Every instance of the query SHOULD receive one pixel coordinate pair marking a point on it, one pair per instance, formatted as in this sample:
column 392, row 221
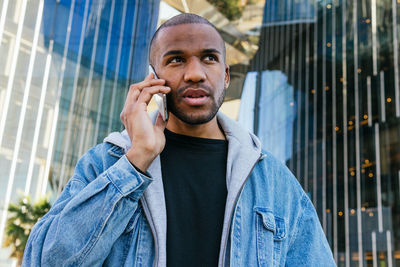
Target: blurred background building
column 316, row 80
column 64, row 72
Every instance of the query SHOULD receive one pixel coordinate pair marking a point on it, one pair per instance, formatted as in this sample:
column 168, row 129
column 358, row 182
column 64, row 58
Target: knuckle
column 133, row 87
column 144, row 93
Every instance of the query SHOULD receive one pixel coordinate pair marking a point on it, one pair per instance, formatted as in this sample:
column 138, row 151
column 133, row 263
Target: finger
column 131, row 93
column 149, row 81
column 147, row 93
column 146, row 83
column 135, row 89
column 131, row 98
column 135, row 95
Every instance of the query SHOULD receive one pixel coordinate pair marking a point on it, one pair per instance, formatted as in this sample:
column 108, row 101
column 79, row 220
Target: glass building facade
column 65, row 69
column 338, row 61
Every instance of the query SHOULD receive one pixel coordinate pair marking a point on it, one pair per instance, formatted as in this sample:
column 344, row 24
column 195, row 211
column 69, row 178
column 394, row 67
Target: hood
column 231, row 128
column 244, row 151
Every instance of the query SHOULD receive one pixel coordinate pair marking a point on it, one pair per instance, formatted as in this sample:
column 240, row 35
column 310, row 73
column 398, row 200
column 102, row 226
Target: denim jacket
column 109, row 214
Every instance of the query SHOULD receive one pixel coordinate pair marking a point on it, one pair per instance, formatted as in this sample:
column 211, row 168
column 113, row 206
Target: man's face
column 190, row 57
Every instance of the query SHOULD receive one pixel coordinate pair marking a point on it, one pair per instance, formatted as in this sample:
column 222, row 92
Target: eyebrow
column 173, row 52
column 180, row 52
column 211, row 50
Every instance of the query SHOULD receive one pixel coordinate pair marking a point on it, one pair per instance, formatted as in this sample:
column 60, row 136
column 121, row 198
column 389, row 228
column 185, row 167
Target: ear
column 227, row 78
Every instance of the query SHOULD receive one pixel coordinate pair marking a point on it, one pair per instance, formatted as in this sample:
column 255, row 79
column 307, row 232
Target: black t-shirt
column 194, row 178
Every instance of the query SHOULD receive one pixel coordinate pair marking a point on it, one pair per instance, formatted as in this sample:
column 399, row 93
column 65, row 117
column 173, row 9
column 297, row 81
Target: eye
column 210, row 57
column 175, row 60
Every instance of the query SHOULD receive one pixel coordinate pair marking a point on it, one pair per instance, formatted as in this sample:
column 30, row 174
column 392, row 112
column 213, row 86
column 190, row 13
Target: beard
column 196, row 117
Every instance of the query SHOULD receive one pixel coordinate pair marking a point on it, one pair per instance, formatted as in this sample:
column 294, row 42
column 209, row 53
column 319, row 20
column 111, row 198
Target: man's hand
column 148, row 140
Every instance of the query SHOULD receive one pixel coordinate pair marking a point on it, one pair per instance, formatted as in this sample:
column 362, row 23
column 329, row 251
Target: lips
column 195, row 97
column 195, row 93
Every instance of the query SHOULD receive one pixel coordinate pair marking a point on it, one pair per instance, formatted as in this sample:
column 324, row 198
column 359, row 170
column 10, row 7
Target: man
column 193, row 191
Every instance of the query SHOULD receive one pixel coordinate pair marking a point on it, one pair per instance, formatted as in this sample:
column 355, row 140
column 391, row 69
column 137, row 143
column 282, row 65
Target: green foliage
column 230, row 8
column 23, row 216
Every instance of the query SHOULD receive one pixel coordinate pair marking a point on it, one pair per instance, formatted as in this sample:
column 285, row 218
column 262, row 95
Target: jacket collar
column 233, row 132
column 244, row 151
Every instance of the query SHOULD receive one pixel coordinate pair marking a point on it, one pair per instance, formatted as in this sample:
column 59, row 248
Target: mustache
column 194, row 86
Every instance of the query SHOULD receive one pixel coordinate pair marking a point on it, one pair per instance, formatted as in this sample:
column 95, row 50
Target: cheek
column 171, row 80
column 171, row 84
column 220, row 82
column 222, row 77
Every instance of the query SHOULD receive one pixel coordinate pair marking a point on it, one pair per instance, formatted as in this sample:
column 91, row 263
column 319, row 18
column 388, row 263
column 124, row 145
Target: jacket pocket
column 271, row 231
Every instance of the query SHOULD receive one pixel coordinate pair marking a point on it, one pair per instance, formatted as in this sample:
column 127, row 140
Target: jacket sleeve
column 91, row 213
column 309, row 246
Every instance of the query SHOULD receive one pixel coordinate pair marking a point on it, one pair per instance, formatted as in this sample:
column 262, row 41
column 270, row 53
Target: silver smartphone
column 161, row 99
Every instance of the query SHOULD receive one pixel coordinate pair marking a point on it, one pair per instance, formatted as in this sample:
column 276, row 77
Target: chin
column 194, row 115
column 194, row 118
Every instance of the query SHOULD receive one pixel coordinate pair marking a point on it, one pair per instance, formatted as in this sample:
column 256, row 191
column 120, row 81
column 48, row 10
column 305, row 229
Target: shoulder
column 96, row 160
column 278, row 174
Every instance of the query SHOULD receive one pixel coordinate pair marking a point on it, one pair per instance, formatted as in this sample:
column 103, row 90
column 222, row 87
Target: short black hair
column 184, row 18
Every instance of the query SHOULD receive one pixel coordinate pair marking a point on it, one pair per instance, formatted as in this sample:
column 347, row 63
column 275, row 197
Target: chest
column 257, row 238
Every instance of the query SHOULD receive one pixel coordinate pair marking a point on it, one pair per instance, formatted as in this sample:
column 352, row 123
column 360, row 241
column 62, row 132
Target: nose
column 194, row 71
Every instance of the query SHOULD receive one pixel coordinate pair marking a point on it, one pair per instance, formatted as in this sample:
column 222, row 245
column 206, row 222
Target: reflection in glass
column 65, row 70
column 341, row 59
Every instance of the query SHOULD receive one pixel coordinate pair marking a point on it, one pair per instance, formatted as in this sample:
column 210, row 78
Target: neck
column 209, row 130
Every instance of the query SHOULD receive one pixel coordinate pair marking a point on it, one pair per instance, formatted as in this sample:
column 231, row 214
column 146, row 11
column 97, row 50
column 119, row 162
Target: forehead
column 187, row 37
